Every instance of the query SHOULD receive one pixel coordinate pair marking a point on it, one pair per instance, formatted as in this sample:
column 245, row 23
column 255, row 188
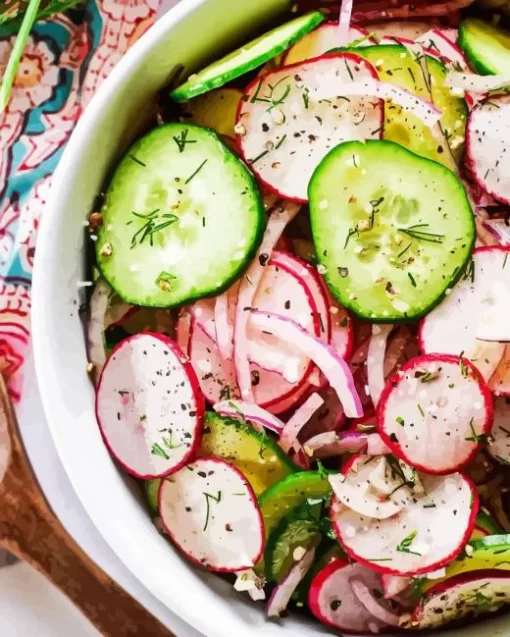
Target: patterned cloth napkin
column 64, row 63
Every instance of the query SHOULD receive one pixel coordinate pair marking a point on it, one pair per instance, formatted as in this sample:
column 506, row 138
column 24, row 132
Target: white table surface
column 30, row 606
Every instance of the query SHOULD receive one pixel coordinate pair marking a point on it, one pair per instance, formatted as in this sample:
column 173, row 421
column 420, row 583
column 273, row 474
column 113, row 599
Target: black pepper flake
column 255, row 377
column 343, row 272
column 202, row 474
column 228, row 528
column 287, row 305
column 265, row 127
column 263, row 258
column 393, row 438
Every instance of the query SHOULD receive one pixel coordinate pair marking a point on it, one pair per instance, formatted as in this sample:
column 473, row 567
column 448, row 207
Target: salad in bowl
column 297, row 327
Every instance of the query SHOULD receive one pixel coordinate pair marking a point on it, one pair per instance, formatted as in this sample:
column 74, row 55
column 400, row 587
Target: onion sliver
column 257, row 416
column 424, row 110
column 375, row 360
column 334, row 368
column 302, row 415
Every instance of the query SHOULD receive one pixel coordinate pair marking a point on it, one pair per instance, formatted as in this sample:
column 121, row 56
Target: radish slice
column 272, row 120
column 344, row 22
column 334, row 603
column 259, row 417
column 282, row 593
column 322, row 40
column 224, row 333
column 424, row 417
column 499, row 440
column 250, row 283
column 466, row 595
column 212, row 515
column 429, row 530
column 375, row 360
column 150, row 430
column 476, row 83
column 370, row 491
column 424, row 110
column 437, row 41
column 493, row 324
column 488, row 139
column 394, row 585
column 202, row 312
column 215, row 374
column 96, row 345
column 302, row 415
column 318, row 294
column 375, row 608
column 452, row 326
column 333, row 367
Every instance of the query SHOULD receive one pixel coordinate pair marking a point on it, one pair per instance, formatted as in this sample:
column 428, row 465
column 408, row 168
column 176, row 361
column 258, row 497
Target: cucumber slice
column 490, row 552
column 291, row 535
column 151, row 488
column 177, row 195
column 289, row 493
column 487, row 48
column 249, row 57
column 392, row 230
column 255, row 454
column 396, row 65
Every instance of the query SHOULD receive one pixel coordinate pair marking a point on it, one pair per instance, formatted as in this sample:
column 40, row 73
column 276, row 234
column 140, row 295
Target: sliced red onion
column 334, row 368
column 344, row 22
column 277, row 223
column 283, row 592
column 500, row 229
column 373, row 606
column 202, row 312
column 257, row 416
column 301, row 416
column 375, row 360
column 424, row 110
column 476, row 83
column 224, row 332
column 330, row 444
column 99, row 302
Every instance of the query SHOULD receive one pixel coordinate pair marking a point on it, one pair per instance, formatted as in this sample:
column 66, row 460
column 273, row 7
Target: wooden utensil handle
column 46, row 545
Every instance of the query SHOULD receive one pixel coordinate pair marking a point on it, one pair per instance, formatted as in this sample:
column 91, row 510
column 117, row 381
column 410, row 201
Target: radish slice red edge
column 456, row 598
column 212, row 515
column 425, row 417
column 278, row 220
column 334, row 603
column 290, row 432
column 451, row 327
column 260, row 418
column 282, row 593
column 333, row 367
column 430, row 526
column 149, row 406
column 487, row 142
column 273, row 144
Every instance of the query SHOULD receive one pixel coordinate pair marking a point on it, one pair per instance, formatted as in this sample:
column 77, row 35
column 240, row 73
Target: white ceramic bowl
column 188, row 34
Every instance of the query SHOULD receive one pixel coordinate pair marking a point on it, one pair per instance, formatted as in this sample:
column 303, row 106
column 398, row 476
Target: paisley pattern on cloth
column 65, row 61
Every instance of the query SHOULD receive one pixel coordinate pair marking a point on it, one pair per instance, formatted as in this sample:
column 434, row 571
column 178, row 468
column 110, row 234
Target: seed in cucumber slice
column 281, row 547
column 249, row 57
column 392, row 230
column 397, row 65
column 176, row 196
column 487, row 47
column 151, row 488
column 255, row 454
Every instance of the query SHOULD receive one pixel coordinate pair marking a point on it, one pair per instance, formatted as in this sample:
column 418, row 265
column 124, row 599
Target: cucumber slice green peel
column 183, row 217
column 257, row 456
column 487, row 48
column 246, row 58
column 392, row 230
column 288, row 494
